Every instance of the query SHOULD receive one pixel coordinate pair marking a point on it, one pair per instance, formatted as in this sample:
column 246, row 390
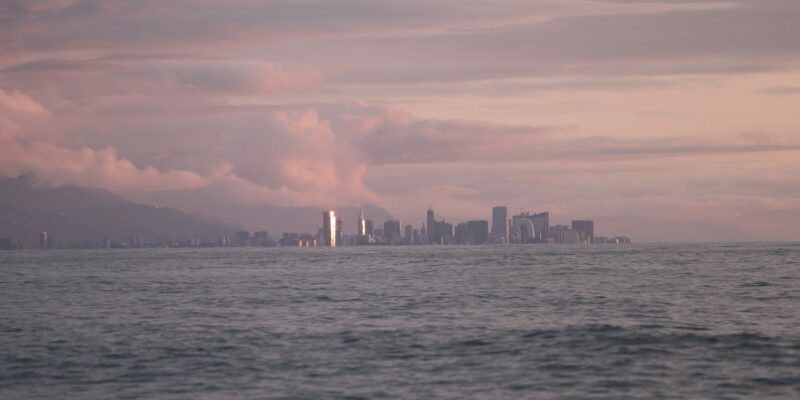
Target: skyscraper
column 329, row 228
column 43, row 241
column 558, row 233
column 339, row 232
column 585, row 229
column 369, row 227
column 242, row 238
column 500, row 225
column 391, row 231
column 361, row 229
column 461, row 233
column 431, row 224
column 477, row 232
column 541, row 224
column 361, row 225
column 444, row 232
column 531, row 228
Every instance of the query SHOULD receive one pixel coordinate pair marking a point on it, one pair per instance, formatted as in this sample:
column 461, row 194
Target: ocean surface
column 540, row 322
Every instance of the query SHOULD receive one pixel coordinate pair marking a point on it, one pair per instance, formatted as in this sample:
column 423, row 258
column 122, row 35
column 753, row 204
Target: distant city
column 523, row 228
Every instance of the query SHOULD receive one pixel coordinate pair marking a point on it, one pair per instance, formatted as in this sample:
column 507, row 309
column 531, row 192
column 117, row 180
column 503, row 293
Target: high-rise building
column 289, row 239
column 541, row 223
column 339, row 232
column 571, row 236
column 438, row 232
column 361, row 226
column 585, row 229
column 477, row 232
column 369, row 227
column 408, row 234
column 558, row 233
column 242, row 238
column 44, row 242
column 262, row 238
column 461, row 233
column 500, row 225
column 361, row 237
column 431, row 224
column 529, row 228
column 329, row 228
column 444, row 232
column 391, row 231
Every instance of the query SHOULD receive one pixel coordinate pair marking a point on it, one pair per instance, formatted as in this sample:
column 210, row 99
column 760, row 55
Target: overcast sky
column 622, row 110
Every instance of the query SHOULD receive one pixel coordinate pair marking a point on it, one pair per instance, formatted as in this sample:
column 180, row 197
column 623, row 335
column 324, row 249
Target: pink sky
column 680, row 114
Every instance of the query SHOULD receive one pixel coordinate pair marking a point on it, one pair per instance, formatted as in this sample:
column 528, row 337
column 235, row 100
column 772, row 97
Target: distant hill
column 21, row 194
column 73, row 214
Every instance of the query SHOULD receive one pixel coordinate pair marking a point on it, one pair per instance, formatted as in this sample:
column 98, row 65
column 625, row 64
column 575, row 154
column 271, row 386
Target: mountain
column 73, row 214
column 274, row 219
column 22, row 194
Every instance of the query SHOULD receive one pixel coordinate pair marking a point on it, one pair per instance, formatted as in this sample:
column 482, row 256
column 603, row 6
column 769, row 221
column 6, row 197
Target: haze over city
column 661, row 120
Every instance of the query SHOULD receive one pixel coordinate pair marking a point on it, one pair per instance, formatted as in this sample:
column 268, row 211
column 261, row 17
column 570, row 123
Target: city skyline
column 522, row 228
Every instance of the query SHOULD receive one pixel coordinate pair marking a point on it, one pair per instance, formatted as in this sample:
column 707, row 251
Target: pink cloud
column 22, row 151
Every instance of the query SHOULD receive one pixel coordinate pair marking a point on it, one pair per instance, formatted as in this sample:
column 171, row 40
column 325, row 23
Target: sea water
column 632, row 321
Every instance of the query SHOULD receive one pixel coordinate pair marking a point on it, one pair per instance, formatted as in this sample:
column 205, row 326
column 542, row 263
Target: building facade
column 477, row 232
column 499, row 225
column 329, row 228
column 585, row 229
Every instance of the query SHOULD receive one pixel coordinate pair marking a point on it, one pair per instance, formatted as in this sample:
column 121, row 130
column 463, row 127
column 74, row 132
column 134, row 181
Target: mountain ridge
column 71, row 215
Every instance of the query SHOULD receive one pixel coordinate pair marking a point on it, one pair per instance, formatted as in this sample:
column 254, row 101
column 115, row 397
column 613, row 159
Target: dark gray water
column 639, row 321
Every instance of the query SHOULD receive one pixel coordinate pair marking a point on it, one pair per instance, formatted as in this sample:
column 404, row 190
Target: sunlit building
column 361, row 229
column 329, row 229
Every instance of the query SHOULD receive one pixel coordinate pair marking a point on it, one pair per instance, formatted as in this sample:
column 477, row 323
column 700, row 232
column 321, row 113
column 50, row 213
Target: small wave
column 473, row 343
column 755, row 284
